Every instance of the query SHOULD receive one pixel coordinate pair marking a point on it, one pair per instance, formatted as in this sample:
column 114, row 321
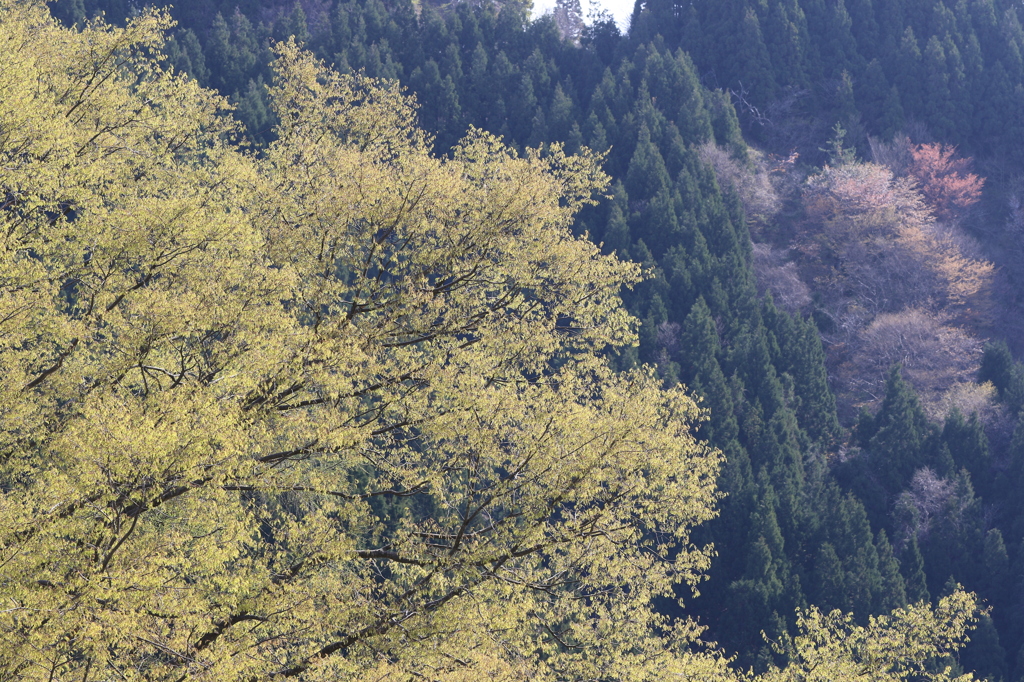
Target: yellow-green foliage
column 891, row 648
column 333, row 412
column 221, row 372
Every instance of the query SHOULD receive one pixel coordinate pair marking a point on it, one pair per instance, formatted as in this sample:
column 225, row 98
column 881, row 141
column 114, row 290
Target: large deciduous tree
column 334, row 411
column 946, row 180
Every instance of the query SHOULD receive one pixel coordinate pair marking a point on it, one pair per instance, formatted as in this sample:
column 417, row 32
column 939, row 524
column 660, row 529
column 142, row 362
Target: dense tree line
column 954, row 67
column 865, row 524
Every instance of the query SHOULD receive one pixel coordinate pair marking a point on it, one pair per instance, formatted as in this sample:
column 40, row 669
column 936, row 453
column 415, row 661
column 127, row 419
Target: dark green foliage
column 984, row 655
column 955, row 541
column 952, row 66
column 233, row 51
column 1015, row 389
column 253, row 109
column 865, row 428
column 830, row 580
column 968, row 445
column 996, row 366
column 900, row 430
column 945, row 493
column 802, row 357
column 893, row 592
column 185, row 54
column 292, row 24
column 69, row 12
column 1007, row 375
column 914, row 576
column 995, row 586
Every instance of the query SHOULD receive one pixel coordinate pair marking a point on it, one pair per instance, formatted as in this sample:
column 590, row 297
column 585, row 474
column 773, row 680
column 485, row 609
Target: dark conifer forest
column 827, row 198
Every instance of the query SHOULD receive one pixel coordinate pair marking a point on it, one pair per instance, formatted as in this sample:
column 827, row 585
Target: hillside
column 836, row 282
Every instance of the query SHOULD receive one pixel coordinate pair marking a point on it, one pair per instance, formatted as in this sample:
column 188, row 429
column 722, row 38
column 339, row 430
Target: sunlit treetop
column 332, row 411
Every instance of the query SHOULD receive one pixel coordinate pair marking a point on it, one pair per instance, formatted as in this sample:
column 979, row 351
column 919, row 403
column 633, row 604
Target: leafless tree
column 934, row 355
column 895, row 154
column 779, row 275
column 918, row 506
column 751, row 181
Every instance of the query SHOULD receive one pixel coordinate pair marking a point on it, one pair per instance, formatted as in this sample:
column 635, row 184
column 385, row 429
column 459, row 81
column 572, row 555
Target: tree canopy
column 335, row 408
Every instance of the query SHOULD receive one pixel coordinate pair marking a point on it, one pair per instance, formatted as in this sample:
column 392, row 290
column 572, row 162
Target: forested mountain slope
column 939, row 71
column 954, row 67
column 868, row 518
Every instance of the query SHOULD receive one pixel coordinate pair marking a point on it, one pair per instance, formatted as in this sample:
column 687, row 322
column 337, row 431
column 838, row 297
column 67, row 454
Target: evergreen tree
column 872, row 92
column 233, row 52
column 763, row 588
column 892, row 594
column 900, row 431
column 996, row 583
column 937, row 84
column 647, row 175
column 830, row 591
column 787, row 41
column 748, row 59
column 914, row 577
column 617, row 237
column 984, row 655
column 967, row 444
column 955, row 540
column 69, row 12
column 907, row 72
column 803, row 358
column 185, row 54
column 293, row 24
column 254, row 111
